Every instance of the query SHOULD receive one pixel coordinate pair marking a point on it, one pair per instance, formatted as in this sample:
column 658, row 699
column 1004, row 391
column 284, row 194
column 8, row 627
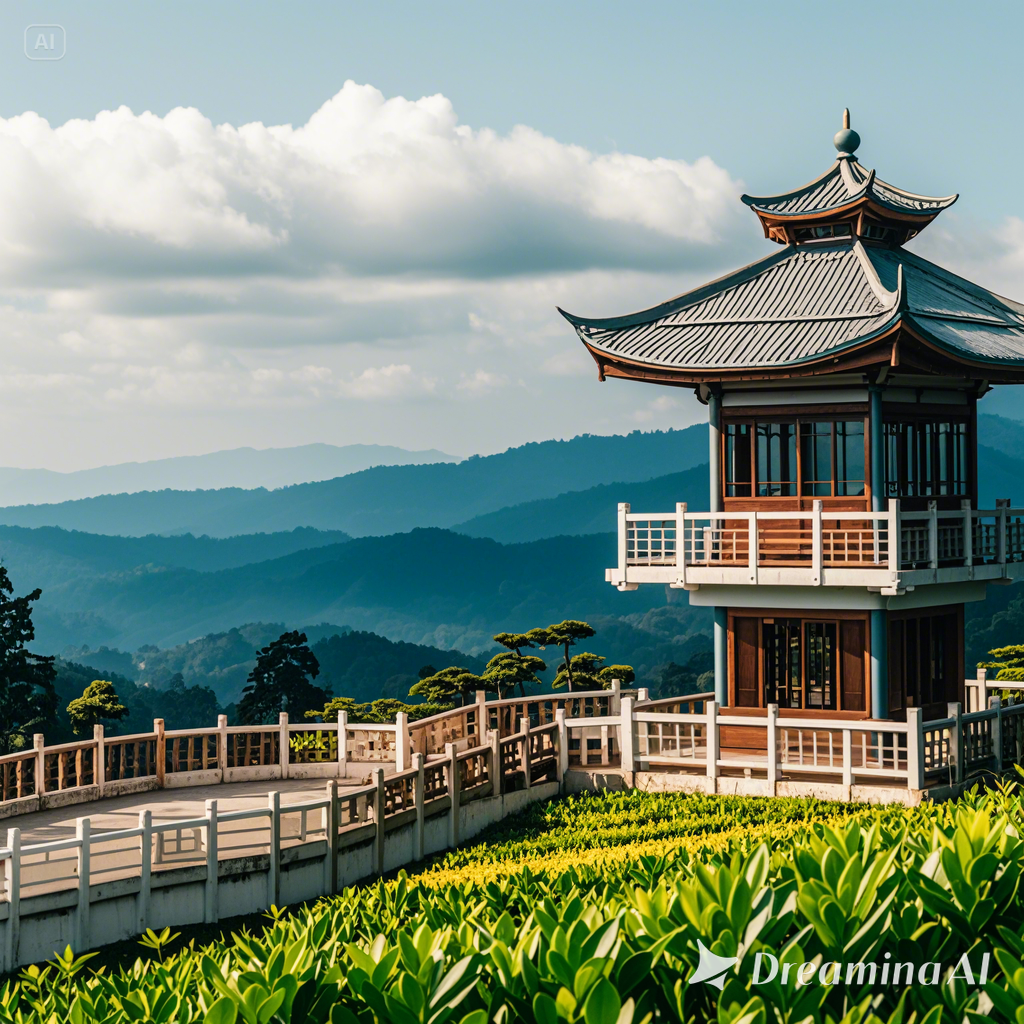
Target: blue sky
column 211, row 309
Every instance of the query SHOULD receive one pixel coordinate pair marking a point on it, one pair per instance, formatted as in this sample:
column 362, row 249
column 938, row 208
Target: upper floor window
column 926, row 458
column 877, row 231
column 822, row 231
column 790, row 458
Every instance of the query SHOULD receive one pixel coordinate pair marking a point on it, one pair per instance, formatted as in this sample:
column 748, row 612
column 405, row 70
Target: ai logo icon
column 711, row 967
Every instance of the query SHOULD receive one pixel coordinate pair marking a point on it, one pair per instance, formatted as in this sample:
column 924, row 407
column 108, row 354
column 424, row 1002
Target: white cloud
column 170, row 285
column 370, row 185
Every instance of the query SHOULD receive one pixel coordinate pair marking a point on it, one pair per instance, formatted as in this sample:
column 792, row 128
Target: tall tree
column 99, row 702
column 281, row 681
column 515, row 643
column 565, row 635
column 27, row 695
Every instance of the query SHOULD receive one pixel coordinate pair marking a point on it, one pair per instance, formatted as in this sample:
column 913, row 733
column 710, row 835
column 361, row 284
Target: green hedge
column 591, row 910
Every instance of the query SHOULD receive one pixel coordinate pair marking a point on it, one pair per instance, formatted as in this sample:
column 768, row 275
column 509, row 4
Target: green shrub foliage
column 590, row 911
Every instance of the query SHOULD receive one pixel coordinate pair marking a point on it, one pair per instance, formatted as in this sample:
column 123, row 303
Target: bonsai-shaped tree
column 450, row 683
column 378, row 712
column 565, row 635
column 99, row 701
column 588, row 673
column 1009, row 663
column 515, row 644
column 509, row 669
column 27, row 695
column 281, row 681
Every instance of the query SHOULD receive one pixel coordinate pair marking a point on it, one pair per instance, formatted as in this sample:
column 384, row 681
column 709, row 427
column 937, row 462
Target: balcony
column 890, row 552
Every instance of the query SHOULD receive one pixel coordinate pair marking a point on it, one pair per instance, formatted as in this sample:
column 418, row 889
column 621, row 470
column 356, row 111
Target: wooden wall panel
column 852, row 675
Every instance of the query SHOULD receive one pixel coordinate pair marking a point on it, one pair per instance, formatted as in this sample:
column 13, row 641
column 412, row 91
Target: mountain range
column 384, row 499
column 238, row 467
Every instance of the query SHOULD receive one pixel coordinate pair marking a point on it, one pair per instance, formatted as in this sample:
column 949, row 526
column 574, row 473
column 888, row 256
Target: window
column 737, row 460
column 924, row 663
column 822, row 231
column 877, row 231
column 800, row 659
column 760, row 459
column 926, row 458
column 776, row 460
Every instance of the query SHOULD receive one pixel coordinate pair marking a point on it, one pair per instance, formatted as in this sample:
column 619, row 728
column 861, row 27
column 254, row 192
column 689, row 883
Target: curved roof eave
column 893, row 318
column 782, row 197
column 956, row 353
column 683, row 300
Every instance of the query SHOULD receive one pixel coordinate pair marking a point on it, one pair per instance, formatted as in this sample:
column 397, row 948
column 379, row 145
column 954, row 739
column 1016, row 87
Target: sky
column 259, row 224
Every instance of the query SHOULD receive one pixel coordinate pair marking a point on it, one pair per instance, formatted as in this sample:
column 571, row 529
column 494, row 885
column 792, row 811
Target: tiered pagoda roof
column 841, row 294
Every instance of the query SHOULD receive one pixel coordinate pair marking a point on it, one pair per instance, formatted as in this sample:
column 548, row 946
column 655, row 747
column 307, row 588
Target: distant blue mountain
column 385, row 499
column 239, row 467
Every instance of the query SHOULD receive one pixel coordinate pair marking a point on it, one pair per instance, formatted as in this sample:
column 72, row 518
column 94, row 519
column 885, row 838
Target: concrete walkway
column 167, row 805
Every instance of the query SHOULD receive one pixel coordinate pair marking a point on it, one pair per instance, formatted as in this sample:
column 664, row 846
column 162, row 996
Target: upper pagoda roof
column 841, row 295
column 846, row 183
column 849, row 197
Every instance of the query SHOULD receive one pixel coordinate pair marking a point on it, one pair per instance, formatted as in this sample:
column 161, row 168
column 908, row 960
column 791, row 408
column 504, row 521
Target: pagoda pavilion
column 841, row 375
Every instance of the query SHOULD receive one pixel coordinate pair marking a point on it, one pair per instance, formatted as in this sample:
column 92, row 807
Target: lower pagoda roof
column 816, row 309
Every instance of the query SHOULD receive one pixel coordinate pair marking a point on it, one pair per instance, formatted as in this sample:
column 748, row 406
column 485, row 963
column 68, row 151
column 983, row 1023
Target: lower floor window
column 801, row 663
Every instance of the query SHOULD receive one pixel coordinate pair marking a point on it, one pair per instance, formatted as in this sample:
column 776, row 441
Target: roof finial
column 846, row 139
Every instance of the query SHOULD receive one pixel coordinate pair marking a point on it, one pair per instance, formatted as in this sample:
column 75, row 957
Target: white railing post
column 419, row 796
column 401, row 741
column 626, row 736
column 454, row 784
column 274, row 843
column 563, row 746
column 331, row 815
column 210, row 892
column 753, row 540
column 915, row 749
column 847, row 762
column 524, row 751
column 981, row 690
column 12, row 888
column 681, row 541
column 712, row 739
column 283, row 748
column 643, row 695
column 82, row 834
column 623, row 530
column 816, row 552
column 955, row 711
column 378, row 822
column 968, row 514
column 615, row 698
column 146, row 870
column 995, row 702
column 222, row 745
column 342, row 744
column 495, row 769
column 39, row 745
column 99, row 764
column 895, row 541
column 933, row 534
column 772, row 747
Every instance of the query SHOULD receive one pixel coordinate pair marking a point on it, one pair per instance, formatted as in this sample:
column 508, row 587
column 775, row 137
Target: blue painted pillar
column 876, row 443
column 879, row 617
column 879, row 663
column 715, row 451
column 721, row 657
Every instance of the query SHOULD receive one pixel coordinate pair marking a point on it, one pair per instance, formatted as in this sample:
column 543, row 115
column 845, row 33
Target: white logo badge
column 711, row 967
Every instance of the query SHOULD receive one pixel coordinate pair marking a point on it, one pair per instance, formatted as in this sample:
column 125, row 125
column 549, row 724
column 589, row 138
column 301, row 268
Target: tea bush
column 591, row 909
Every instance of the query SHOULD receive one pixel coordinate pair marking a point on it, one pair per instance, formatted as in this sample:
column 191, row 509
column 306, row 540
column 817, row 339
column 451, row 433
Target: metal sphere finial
column 846, row 139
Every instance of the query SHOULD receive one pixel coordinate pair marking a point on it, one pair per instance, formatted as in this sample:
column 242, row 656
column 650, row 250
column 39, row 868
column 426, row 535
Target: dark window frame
column 928, row 456
column 740, row 442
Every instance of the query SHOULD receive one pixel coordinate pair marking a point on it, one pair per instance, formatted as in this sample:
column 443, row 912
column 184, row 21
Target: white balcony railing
column 891, row 550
